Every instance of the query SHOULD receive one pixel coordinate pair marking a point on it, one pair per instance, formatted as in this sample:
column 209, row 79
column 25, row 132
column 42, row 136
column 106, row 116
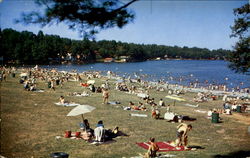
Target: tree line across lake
column 28, row 48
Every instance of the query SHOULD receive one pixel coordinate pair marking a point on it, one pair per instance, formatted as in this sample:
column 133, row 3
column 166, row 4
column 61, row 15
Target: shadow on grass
column 103, row 142
column 187, row 118
column 176, row 120
column 196, row 147
column 237, row 154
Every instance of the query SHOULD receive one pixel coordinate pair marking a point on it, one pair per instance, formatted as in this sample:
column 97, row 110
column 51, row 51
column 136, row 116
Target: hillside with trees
column 28, row 48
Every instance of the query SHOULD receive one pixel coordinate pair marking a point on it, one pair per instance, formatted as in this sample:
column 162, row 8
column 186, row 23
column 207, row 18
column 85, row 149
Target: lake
column 172, row 71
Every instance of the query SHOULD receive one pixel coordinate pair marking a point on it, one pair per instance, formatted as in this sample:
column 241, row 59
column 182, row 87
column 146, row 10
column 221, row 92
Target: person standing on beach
column 61, row 82
column 105, row 95
column 182, row 131
column 161, row 103
column 52, row 85
column 4, row 76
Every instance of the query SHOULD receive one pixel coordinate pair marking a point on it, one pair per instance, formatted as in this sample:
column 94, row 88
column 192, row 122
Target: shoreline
column 159, row 84
column 175, row 87
column 179, row 75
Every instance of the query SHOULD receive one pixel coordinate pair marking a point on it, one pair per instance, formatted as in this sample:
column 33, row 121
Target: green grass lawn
column 31, row 121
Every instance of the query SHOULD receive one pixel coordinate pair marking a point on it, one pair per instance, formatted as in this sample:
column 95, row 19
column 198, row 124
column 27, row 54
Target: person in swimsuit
column 153, row 148
column 182, row 131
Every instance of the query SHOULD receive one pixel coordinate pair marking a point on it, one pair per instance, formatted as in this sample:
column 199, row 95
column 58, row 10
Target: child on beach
column 152, row 150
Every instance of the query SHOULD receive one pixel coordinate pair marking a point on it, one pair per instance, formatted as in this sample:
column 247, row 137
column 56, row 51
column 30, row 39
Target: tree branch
column 125, row 6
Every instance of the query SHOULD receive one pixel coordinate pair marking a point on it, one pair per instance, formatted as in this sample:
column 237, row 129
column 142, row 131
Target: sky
column 191, row 23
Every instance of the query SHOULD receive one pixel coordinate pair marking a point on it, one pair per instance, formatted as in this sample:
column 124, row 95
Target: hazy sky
column 191, row 23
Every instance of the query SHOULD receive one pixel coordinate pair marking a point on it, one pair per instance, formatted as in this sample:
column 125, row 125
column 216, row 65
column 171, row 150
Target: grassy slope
column 30, row 122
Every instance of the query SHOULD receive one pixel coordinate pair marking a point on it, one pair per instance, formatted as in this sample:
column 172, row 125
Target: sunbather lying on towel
column 139, row 107
column 83, row 94
column 110, row 134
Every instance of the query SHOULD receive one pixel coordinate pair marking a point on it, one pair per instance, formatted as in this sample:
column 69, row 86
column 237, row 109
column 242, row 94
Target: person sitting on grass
column 98, row 90
column 86, row 127
column 182, row 131
column 99, row 132
column 153, row 148
column 62, row 100
column 155, row 113
column 26, row 85
column 141, row 106
column 32, row 87
column 92, row 88
column 88, row 132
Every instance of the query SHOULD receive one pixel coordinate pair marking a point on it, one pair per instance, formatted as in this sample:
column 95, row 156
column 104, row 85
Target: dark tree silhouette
column 240, row 57
column 86, row 16
column 28, row 48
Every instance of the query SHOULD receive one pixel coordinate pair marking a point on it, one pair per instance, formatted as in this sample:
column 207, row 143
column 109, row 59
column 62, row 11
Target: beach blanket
column 38, row 90
column 142, row 95
column 169, row 115
column 90, row 81
column 164, row 146
column 139, row 115
column 72, row 80
column 82, row 95
column 67, row 104
column 175, row 98
column 159, row 156
column 84, row 84
column 114, row 102
column 201, row 111
column 191, row 105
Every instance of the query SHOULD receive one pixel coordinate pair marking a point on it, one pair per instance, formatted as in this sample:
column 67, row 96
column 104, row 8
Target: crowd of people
column 55, row 79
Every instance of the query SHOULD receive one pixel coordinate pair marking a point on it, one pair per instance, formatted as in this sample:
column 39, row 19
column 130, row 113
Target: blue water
column 214, row 71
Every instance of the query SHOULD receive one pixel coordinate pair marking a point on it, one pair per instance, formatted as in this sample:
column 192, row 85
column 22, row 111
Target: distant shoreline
column 84, row 63
column 165, row 85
